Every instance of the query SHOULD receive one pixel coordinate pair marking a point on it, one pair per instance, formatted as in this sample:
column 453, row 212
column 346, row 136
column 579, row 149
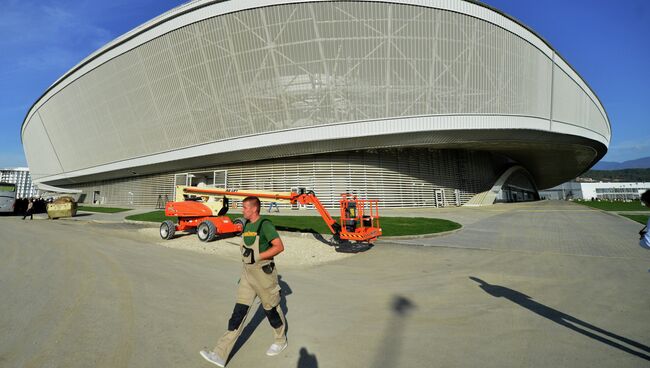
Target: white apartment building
column 603, row 191
column 19, row 176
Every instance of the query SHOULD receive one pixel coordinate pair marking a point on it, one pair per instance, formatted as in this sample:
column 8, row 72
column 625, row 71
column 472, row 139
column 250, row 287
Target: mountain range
column 639, row 163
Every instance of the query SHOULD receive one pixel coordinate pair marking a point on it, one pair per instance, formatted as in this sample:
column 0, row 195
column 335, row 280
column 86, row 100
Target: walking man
column 30, row 210
column 259, row 278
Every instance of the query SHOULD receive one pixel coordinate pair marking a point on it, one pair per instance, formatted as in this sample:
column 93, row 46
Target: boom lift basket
column 359, row 218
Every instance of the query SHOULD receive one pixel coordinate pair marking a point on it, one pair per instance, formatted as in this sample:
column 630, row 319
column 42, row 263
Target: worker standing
column 259, row 278
column 644, row 241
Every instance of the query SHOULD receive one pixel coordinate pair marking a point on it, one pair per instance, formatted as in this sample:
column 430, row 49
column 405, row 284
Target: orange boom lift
column 204, row 209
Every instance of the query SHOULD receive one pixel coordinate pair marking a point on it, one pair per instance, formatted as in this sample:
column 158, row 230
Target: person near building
column 644, row 242
column 259, row 245
column 274, row 204
column 29, row 211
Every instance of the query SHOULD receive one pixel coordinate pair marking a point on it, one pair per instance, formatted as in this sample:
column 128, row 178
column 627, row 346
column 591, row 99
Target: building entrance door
column 200, row 179
column 179, row 179
column 212, row 179
column 220, row 179
column 439, row 197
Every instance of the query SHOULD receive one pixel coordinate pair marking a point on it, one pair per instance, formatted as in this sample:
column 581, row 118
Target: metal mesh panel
column 572, row 105
column 289, row 66
column 150, row 190
column 39, row 150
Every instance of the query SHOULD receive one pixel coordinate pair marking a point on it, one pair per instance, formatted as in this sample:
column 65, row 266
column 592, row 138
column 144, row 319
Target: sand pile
column 299, row 249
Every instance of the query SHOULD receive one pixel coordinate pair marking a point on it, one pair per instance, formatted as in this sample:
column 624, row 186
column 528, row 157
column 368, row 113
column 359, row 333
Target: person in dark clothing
column 30, row 210
column 644, row 241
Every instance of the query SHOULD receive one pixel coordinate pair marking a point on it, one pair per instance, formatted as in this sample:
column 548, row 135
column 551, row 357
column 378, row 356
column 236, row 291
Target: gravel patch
column 299, row 249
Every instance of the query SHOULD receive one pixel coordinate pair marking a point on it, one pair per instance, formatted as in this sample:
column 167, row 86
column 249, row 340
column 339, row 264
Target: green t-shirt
column 267, row 233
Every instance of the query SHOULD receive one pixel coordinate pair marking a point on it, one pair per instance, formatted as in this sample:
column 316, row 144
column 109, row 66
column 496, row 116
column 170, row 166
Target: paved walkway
column 547, row 226
column 463, row 215
column 547, row 284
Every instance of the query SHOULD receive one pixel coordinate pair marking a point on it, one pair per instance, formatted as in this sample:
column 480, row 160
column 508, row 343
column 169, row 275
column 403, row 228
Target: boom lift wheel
column 167, row 230
column 206, row 231
column 242, row 222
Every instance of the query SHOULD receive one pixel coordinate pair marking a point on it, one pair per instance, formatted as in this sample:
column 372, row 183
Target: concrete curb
column 148, row 223
column 295, row 234
column 617, row 214
column 423, row 236
column 627, row 218
column 89, row 221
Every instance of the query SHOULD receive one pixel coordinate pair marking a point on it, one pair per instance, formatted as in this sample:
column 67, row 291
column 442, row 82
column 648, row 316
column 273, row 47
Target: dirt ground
column 300, row 250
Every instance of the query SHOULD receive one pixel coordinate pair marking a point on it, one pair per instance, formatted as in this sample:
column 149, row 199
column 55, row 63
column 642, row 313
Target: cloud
column 634, row 145
column 629, row 150
column 38, row 35
column 50, row 57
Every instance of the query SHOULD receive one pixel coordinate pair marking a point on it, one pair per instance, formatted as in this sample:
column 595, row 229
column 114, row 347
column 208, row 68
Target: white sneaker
column 212, row 358
column 276, row 349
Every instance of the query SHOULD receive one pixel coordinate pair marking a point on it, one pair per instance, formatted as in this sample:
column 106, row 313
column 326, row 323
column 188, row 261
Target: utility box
column 62, row 207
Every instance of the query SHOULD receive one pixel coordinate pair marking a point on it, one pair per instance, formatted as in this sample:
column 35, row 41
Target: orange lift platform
column 204, row 209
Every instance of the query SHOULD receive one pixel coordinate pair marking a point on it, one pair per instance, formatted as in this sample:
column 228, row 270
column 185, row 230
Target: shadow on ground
column 318, row 236
column 566, row 320
column 307, row 360
column 391, row 344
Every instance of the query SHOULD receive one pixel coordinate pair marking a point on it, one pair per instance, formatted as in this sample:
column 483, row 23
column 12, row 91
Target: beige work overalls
column 254, row 282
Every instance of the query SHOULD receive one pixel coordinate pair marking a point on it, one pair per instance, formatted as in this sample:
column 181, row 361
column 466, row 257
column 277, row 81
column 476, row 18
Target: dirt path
column 300, row 250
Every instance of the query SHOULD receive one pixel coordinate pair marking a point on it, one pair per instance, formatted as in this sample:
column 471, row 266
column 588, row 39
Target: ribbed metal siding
column 290, row 66
column 572, row 105
column 43, row 160
column 398, row 178
column 138, row 191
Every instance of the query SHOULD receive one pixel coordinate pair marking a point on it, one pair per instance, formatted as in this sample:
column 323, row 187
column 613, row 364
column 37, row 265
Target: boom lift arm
column 356, row 225
column 302, row 197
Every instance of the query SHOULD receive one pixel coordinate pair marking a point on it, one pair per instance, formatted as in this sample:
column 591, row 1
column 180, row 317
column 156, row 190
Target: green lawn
column 154, row 216
column 391, row 226
column 615, row 206
column 102, row 209
column 642, row 219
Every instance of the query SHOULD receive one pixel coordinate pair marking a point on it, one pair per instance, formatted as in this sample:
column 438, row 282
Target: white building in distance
column 596, row 191
column 19, row 176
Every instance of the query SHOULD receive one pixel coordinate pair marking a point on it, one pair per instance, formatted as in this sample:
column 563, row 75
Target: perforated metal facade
column 400, row 178
column 285, row 78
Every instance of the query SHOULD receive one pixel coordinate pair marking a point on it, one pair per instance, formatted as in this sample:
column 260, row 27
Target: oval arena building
column 413, row 102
